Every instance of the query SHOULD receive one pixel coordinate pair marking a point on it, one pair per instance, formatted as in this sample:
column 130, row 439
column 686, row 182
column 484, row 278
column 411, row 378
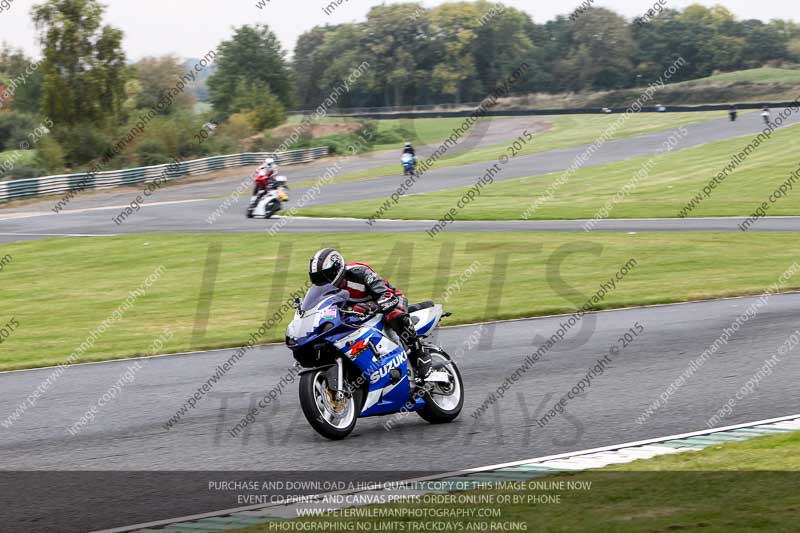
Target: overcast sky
column 190, row 28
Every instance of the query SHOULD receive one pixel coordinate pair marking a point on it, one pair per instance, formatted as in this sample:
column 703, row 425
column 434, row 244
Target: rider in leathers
column 369, row 292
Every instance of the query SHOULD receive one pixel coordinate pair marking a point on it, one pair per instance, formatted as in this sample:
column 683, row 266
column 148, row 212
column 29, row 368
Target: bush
column 22, row 172
column 258, row 143
column 173, row 136
column 261, row 107
column 229, row 136
column 395, row 135
column 84, row 143
column 342, row 143
column 19, row 163
column 14, row 129
column 50, row 155
column 237, row 127
column 152, row 152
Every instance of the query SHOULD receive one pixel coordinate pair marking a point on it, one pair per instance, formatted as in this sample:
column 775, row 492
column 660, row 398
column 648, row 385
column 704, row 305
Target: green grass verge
column 60, row 290
column 566, row 131
column 21, row 157
column 754, row 75
column 392, row 133
column 673, row 180
column 743, row 486
column 388, row 135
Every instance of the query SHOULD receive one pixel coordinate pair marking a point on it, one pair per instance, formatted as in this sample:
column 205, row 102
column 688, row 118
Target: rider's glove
column 365, row 308
column 387, row 302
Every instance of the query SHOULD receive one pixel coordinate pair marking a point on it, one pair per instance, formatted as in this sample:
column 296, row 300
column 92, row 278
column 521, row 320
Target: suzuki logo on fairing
column 358, row 347
column 394, row 363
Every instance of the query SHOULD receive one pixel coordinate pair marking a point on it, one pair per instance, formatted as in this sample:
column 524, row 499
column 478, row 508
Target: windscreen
column 317, row 293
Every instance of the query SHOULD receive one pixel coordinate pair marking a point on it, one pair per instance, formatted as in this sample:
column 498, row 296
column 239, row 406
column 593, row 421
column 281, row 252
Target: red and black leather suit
column 367, row 290
column 263, row 183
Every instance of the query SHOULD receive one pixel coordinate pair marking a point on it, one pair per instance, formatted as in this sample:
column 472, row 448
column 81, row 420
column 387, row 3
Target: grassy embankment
column 672, row 181
column 756, row 85
column 561, row 131
column 60, row 290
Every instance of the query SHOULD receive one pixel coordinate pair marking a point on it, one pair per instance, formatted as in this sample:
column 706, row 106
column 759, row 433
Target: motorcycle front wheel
column 333, row 419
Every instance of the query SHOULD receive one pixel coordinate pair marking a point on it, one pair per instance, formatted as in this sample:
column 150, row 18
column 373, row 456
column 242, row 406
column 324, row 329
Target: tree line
column 457, row 52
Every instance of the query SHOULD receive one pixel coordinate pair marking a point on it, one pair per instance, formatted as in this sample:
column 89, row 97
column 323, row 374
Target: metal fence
column 465, row 110
column 27, row 188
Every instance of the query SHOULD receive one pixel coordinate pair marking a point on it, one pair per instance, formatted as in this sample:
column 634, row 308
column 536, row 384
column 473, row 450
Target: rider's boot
column 416, row 353
column 423, row 365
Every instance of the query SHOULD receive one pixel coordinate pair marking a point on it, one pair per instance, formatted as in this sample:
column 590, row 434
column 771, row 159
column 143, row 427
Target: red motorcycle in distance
column 268, row 195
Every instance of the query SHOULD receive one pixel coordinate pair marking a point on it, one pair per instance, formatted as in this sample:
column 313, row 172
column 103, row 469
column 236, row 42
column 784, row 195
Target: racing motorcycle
column 356, row 367
column 409, row 164
column 267, row 203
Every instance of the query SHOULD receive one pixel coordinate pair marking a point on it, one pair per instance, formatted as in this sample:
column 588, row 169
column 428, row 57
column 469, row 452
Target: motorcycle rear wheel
column 443, row 404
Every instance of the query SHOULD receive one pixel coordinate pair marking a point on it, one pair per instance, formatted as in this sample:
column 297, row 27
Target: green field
column 392, row 133
column 60, row 290
column 672, row 181
column 19, row 158
column 755, row 75
column 420, row 131
column 297, row 118
column 388, row 135
column 743, row 486
column 565, row 131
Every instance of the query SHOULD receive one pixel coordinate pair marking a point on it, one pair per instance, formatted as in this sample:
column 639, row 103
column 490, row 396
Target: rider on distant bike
column 368, row 293
column 264, row 176
column 410, row 150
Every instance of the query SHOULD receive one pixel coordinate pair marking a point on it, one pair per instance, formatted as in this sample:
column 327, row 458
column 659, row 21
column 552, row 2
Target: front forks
column 339, row 379
column 335, row 379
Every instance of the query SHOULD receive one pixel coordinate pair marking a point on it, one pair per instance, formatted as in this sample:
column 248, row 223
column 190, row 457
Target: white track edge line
column 542, row 220
column 454, row 473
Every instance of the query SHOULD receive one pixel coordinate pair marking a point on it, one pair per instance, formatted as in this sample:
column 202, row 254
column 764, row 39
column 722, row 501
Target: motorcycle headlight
column 290, row 341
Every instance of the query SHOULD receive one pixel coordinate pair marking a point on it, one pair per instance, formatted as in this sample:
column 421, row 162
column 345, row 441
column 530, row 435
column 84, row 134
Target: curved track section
column 129, row 429
column 130, row 433
column 186, row 207
column 162, row 220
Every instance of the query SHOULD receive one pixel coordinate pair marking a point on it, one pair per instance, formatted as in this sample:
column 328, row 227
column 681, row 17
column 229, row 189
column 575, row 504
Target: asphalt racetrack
column 130, row 433
column 185, row 207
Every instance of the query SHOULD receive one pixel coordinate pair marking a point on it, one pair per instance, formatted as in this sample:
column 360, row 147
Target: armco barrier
column 444, row 113
column 50, row 185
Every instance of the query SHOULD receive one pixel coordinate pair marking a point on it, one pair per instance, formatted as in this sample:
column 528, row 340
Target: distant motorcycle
column 268, row 202
column 356, row 367
column 409, row 164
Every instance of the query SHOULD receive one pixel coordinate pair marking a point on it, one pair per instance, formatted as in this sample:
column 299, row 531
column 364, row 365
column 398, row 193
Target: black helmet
column 327, row 266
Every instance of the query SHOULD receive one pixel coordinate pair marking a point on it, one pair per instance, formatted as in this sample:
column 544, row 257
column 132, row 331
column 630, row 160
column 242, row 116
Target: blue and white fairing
column 366, row 344
column 376, row 355
column 428, row 319
column 318, row 314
